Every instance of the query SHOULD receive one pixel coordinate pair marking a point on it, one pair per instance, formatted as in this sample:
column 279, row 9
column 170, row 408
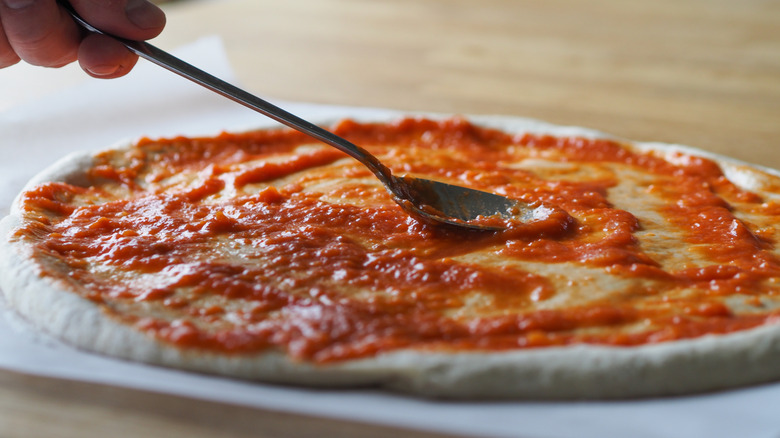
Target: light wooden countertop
column 698, row 72
column 705, row 73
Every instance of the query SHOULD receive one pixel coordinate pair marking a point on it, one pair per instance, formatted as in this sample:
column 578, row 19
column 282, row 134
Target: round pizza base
column 706, row 363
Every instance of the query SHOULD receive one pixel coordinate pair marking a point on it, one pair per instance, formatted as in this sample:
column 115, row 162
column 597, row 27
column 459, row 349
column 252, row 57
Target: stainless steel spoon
column 433, row 201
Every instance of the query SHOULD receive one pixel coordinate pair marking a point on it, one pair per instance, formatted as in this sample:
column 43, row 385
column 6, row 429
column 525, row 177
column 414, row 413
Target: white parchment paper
column 153, row 102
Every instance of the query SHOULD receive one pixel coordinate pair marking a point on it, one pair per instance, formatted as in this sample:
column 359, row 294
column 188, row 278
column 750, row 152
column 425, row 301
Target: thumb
column 131, row 19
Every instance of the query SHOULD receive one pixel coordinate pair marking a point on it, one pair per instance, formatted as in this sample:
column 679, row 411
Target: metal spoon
column 433, row 201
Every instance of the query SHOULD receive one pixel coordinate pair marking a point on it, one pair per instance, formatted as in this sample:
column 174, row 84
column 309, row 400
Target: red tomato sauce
column 305, row 251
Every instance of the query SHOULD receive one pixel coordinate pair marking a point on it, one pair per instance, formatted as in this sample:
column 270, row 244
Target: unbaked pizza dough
column 268, row 256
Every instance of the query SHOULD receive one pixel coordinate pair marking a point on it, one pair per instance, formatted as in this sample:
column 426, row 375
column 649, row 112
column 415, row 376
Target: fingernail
column 18, row 4
column 143, row 14
column 103, row 70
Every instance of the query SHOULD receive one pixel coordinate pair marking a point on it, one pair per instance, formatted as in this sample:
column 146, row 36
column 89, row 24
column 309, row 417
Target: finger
column 39, row 32
column 131, row 19
column 103, row 57
column 7, row 55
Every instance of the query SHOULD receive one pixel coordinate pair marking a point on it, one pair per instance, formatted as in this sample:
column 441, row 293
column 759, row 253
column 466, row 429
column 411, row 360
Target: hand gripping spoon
column 432, row 201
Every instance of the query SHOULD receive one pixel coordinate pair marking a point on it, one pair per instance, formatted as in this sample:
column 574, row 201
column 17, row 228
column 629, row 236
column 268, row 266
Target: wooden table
column 700, row 72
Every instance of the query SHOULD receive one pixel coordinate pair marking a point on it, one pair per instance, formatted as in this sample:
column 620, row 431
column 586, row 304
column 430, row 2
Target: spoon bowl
column 442, row 203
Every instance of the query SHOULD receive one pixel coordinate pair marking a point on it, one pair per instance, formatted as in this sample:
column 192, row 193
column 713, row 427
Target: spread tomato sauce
column 252, row 251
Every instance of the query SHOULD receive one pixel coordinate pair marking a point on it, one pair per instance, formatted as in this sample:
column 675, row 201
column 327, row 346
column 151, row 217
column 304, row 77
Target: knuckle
column 32, row 36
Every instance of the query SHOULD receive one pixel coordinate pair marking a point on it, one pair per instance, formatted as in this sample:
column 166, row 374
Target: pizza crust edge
column 584, row 371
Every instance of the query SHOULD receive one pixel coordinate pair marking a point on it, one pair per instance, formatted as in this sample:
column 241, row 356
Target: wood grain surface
column 700, row 72
column 705, row 73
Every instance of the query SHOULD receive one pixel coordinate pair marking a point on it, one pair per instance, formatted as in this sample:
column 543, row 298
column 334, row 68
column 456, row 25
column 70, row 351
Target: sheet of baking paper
column 154, row 102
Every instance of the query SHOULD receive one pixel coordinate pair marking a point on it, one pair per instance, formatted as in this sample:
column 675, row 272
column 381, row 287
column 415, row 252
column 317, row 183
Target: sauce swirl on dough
column 266, row 240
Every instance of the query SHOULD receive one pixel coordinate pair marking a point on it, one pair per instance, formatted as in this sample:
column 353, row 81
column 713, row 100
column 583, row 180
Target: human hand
column 42, row 33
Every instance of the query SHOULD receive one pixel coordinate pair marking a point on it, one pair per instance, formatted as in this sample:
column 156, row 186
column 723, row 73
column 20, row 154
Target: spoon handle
column 213, row 83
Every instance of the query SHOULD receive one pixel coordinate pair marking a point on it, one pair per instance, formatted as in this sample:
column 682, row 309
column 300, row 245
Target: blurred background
column 699, row 72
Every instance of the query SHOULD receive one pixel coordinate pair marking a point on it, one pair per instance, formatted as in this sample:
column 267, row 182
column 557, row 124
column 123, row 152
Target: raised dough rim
column 583, row 371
